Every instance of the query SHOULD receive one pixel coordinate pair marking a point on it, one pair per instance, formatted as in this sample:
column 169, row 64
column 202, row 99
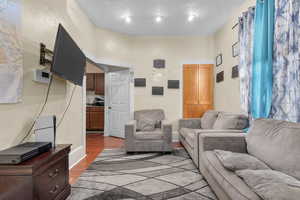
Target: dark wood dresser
column 45, row 177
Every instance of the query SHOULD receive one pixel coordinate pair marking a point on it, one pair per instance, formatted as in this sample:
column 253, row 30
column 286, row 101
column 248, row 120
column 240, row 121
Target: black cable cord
column 67, row 108
column 41, row 111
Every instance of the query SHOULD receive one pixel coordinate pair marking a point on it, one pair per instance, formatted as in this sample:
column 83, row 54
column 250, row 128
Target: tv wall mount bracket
column 45, row 55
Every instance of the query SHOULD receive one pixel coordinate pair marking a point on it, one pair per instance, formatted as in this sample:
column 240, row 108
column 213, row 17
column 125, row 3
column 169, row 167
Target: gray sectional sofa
column 274, row 143
column 211, row 122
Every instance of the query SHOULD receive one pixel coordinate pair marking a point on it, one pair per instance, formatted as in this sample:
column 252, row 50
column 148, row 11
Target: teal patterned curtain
column 246, row 33
column 286, row 64
column 262, row 71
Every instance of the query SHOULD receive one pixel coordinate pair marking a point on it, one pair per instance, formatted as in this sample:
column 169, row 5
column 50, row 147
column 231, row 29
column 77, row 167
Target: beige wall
column 40, row 20
column 139, row 53
column 227, row 93
column 113, row 48
column 176, row 51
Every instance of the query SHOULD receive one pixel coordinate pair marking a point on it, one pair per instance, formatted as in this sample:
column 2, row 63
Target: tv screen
column 68, row 60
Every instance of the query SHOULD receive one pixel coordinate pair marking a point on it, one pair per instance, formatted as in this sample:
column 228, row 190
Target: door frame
column 201, row 62
column 98, row 63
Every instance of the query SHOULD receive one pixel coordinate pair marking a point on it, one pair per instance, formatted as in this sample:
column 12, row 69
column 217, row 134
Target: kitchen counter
column 94, row 105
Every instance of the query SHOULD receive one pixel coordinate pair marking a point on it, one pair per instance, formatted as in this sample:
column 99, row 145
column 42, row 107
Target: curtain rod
column 241, row 19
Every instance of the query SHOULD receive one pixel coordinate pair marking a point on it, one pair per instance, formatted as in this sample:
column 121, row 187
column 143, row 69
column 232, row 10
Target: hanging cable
column 67, row 108
column 41, row 111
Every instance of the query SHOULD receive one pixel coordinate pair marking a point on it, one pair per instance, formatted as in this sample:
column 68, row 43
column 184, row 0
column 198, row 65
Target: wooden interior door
column 197, row 89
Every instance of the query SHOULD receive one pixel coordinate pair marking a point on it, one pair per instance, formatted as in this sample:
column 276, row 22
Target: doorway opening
column 109, row 96
column 95, row 99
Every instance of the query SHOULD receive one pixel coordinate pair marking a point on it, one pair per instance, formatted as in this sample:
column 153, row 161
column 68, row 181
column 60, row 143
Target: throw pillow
column 239, row 161
column 146, row 124
column 208, row 119
column 231, row 121
column 271, row 185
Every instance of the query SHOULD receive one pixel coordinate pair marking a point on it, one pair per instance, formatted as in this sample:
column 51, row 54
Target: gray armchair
column 157, row 140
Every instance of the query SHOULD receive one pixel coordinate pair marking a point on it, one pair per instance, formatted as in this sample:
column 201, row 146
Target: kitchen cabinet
column 90, row 82
column 88, row 126
column 95, row 82
column 95, row 118
column 99, row 84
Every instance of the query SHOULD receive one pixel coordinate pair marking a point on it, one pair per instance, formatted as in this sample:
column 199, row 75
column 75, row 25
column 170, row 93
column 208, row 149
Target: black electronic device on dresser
column 23, row 152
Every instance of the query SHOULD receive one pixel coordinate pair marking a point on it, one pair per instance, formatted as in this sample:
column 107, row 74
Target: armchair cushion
column 231, row 121
column 149, row 135
column 156, row 115
column 146, row 124
column 208, row 119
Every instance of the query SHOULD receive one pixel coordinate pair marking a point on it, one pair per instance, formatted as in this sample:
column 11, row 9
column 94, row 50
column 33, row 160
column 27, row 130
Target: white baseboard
column 76, row 156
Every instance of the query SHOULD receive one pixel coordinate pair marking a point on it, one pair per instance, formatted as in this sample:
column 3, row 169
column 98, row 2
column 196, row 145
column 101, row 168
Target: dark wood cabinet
column 88, row 126
column 45, row 177
column 95, row 82
column 95, row 118
column 99, row 84
column 90, row 82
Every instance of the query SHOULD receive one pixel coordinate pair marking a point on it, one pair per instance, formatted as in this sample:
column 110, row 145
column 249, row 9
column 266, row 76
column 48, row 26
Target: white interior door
column 118, row 102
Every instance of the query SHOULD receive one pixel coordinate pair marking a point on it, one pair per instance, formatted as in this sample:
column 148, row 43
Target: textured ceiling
column 209, row 15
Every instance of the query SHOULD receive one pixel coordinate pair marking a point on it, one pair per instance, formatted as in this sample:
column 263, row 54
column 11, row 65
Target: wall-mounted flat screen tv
column 68, row 60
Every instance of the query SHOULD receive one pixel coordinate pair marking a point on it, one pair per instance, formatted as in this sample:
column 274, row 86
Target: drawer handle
column 53, row 174
column 55, row 189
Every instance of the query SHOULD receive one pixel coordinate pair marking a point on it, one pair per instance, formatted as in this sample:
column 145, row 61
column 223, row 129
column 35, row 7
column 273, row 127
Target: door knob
column 109, row 107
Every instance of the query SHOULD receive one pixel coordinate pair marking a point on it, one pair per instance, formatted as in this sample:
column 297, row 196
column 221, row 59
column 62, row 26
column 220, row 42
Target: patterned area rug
column 115, row 175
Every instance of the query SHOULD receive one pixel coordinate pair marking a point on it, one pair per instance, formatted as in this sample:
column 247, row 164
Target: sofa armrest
column 193, row 123
column 234, row 142
column 229, row 131
column 167, row 130
column 130, row 130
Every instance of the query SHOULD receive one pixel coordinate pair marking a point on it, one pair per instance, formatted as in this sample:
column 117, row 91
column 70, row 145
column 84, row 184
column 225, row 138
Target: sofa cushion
column 271, row 185
column 145, row 124
column 185, row 131
column 190, row 139
column 189, row 136
column 231, row 121
column 232, row 185
column 276, row 143
column 156, row 114
column 149, row 135
column 239, row 161
column 208, row 119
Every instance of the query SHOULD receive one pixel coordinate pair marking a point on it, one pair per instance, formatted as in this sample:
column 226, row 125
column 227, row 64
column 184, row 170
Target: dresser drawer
column 52, row 181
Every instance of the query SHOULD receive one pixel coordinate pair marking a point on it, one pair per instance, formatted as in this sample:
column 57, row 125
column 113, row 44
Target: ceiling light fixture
column 127, row 19
column 191, row 18
column 158, row 19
